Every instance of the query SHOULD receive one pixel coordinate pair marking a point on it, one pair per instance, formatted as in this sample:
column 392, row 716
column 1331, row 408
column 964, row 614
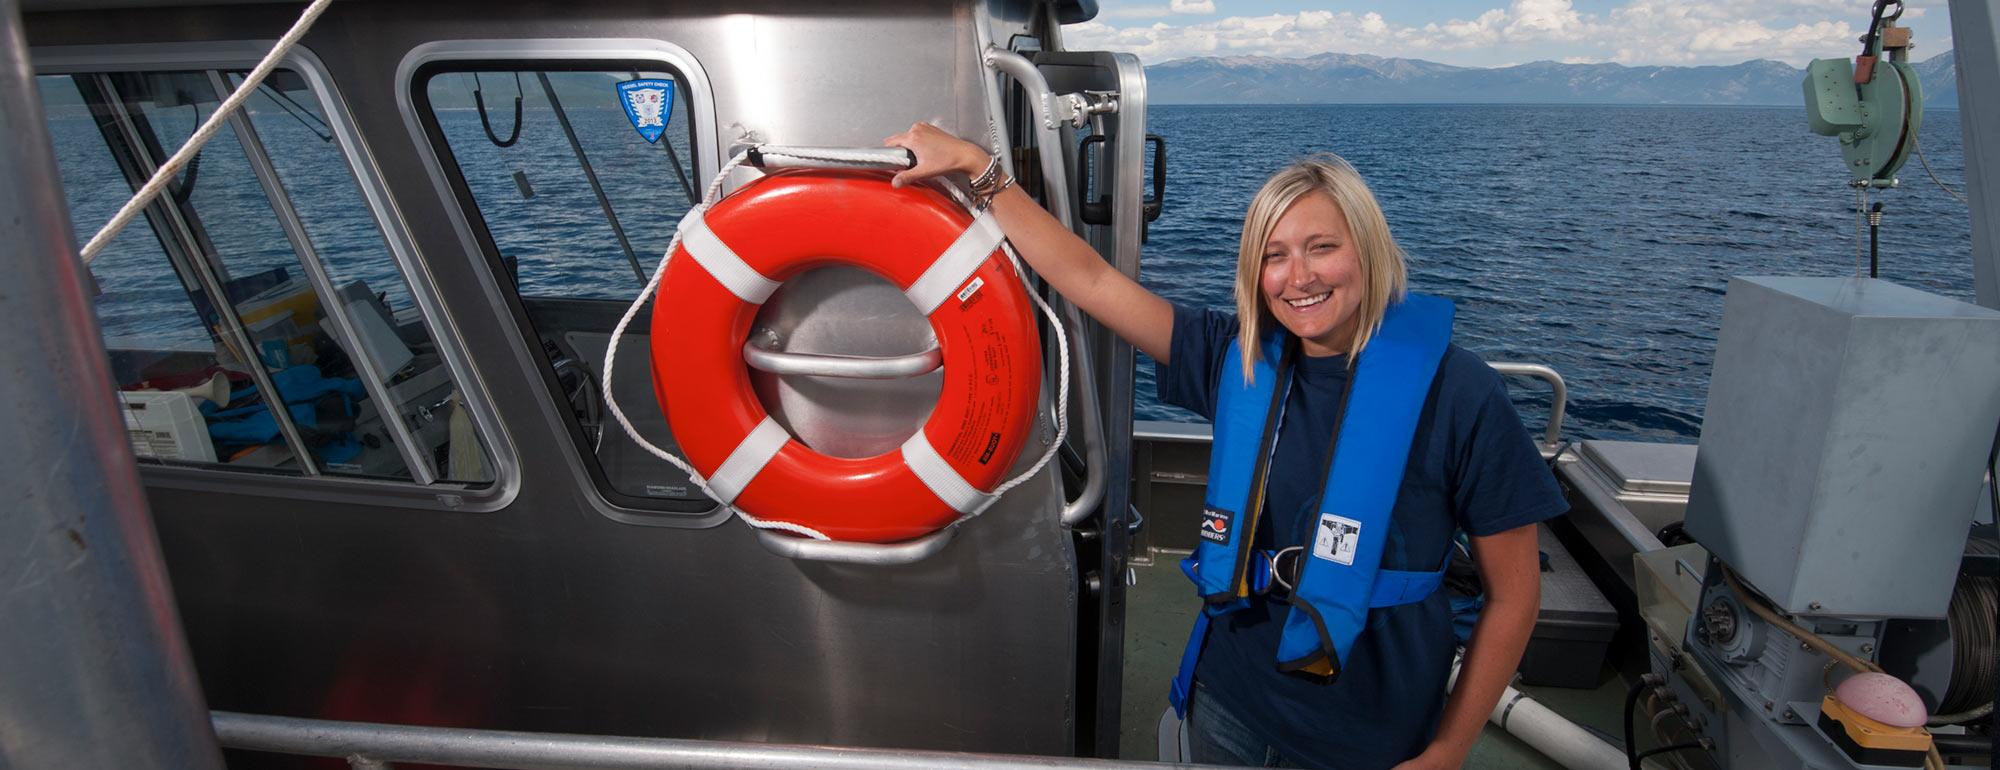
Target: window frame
column 556, row 54
column 443, row 494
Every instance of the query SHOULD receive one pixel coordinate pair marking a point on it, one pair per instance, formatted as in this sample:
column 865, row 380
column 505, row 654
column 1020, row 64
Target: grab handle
column 779, row 156
column 1558, row 399
column 871, row 554
column 850, row 367
column 1075, row 512
column 1055, row 180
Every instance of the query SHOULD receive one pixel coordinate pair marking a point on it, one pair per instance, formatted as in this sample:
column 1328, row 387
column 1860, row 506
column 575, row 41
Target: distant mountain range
column 1359, row 78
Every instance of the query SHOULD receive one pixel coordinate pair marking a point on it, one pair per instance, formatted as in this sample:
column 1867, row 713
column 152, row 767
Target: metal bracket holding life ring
column 809, row 542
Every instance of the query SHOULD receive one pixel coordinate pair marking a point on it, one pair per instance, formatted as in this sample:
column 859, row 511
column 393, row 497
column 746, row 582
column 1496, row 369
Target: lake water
column 1594, row 239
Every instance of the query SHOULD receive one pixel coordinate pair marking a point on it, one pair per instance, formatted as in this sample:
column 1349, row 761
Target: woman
column 1326, row 670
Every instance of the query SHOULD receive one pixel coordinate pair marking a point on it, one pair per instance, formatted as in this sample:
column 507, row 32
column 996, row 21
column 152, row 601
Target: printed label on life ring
column 979, row 434
column 970, row 289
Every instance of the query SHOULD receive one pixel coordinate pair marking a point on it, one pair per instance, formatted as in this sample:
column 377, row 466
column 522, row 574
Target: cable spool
column 1975, row 606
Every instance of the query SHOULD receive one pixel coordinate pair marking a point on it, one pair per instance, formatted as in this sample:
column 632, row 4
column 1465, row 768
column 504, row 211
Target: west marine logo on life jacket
column 649, row 103
column 1215, row 525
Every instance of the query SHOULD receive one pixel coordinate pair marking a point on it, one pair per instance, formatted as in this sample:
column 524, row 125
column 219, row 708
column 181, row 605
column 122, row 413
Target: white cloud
column 1529, row 20
column 1134, row 12
column 1637, row 32
column 1670, row 32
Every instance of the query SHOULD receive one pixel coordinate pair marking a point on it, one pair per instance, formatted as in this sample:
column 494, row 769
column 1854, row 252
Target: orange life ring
column 734, row 255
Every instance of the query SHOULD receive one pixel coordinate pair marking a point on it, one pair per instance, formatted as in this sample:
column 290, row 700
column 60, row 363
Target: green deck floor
column 1159, row 608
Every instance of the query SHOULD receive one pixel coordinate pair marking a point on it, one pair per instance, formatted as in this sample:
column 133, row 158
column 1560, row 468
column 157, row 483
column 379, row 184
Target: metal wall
column 548, row 614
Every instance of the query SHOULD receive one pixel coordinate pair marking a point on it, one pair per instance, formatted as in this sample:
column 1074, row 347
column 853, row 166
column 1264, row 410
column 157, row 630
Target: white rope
column 611, row 358
column 837, row 157
column 144, row 197
column 708, row 200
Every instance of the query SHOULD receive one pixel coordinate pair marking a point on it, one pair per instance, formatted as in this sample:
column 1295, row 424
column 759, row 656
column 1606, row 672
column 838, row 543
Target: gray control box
column 1848, row 421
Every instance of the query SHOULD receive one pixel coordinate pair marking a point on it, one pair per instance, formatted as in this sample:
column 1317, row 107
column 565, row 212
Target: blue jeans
column 1218, row 737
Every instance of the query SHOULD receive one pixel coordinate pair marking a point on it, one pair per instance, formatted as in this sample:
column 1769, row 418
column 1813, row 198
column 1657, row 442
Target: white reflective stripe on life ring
column 942, row 479
column 747, row 460
column 957, row 263
column 722, row 262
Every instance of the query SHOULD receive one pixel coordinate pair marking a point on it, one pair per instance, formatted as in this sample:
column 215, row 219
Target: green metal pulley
column 1874, row 105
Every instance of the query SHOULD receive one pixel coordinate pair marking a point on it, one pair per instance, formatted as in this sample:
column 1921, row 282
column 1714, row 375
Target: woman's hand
column 937, row 153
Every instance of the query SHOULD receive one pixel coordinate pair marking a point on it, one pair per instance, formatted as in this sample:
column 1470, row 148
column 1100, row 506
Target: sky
column 1495, row 33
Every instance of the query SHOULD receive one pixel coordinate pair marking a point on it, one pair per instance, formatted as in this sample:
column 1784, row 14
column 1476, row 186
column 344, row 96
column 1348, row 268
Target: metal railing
column 368, row 746
column 1551, row 433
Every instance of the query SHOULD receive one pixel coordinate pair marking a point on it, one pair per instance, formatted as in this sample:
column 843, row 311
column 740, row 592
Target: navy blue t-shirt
column 1472, row 467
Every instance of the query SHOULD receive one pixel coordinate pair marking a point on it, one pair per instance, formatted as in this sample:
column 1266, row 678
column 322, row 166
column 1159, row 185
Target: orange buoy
column 733, row 255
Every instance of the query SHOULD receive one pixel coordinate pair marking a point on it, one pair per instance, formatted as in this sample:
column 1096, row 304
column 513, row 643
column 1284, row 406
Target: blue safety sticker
column 649, row 102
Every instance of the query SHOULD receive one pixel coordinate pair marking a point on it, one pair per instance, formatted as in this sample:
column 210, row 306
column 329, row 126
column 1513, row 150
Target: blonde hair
column 1383, row 275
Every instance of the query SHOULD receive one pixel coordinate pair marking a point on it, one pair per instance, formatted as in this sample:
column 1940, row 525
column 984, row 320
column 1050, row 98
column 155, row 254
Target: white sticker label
column 971, row 288
column 1336, row 539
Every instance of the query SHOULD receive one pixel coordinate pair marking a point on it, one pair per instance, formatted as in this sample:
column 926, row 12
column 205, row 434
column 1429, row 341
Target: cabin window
column 256, row 318
column 573, row 176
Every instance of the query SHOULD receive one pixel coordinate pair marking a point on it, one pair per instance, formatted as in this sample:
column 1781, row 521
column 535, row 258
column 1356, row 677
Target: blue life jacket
column 1338, row 576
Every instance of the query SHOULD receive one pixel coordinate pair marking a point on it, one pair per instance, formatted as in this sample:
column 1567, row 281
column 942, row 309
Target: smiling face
column 1311, row 277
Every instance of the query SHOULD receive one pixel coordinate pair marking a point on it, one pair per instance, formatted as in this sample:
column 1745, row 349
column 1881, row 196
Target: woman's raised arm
column 1136, row 315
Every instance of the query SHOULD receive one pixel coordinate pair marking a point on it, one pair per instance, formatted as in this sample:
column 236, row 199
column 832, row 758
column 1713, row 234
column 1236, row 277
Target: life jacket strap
column 1274, row 573
column 1393, row 588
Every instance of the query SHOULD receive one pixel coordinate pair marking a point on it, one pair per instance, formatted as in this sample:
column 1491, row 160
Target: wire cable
column 1632, row 704
column 1643, row 755
column 1934, row 180
column 1971, row 618
column 299, row 113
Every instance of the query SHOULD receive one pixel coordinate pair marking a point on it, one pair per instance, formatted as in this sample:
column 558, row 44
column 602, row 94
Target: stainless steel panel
column 846, row 312
column 1846, row 432
column 544, row 614
column 1975, row 34
column 97, row 673
column 1642, row 468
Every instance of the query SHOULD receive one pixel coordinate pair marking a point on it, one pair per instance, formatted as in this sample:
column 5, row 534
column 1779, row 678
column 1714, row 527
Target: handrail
column 1055, row 183
column 371, row 745
column 871, row 554
column 851, row 367
column 1076, row 511
column 1551, row 433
